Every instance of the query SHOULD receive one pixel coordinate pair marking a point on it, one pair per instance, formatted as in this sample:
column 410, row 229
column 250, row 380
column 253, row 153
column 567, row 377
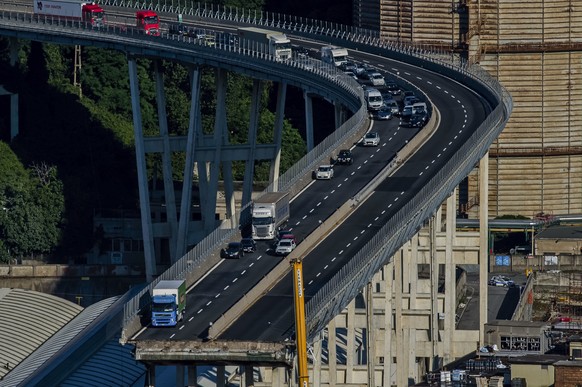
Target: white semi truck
column 334, row 55
column 78, row 10
column 269, row 212
column 275, row 43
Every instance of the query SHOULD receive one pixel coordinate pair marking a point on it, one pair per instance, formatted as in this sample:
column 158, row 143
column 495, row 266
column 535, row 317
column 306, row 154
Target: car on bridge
column 385, row 113
column 286, row 245
column 371, row 139
column 345, row 157
column 233, row 250
column 324, row 172
column 248, row 245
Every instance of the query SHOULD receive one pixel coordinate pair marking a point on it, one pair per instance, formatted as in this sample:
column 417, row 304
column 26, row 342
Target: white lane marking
column 243, row 272
column 325, row 198
column 208, row 303
column 333, row 259
column 318, row 274
column 375, row 219
column 226, row 287
column 341, row 251
column 318, row 204
column 310, row 282
column 304, row 216
column 218, row 295
column 310, row 211
column 355, row 238
column 325, row 267
column 191, row 318
column 251, row 265
column 382, row 213
column 234, row 280
column 348, row 245
column 172, row 335
column 361, row 232
column 199, row 311
column 346, row 179
column 182, row 327
column 439, row 155
column 370, row 225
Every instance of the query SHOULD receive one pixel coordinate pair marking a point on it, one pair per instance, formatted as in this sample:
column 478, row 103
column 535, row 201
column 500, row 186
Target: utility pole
column 300, row 328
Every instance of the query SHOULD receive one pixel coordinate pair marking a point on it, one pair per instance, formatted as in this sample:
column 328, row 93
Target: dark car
column 418, row 120
column 249, row 245
column 233, row 250
column 345, row 157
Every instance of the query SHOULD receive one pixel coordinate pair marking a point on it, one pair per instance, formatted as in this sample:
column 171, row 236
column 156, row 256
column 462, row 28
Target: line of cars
column 385, row 99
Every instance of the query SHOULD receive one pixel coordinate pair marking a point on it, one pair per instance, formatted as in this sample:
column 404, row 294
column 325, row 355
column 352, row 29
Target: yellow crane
column 300, row 326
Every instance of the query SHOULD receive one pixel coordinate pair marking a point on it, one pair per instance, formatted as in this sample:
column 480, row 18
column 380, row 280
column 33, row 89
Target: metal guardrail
column 333, row 297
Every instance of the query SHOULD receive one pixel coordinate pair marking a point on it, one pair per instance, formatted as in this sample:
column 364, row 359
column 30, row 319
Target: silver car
column 371, row 139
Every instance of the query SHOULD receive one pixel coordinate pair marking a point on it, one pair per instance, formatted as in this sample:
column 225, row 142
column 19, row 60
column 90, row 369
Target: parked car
column 371, row 139
column 345, row 157
column 499, row 280
column 324, row 172
column 233, row 250
column 248, row 245
column 285, row 246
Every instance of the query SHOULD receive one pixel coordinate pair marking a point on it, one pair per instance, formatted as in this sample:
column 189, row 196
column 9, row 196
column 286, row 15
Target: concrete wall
column 82, row 284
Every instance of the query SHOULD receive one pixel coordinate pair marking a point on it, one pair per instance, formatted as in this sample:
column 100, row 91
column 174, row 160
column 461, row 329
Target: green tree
column 32, row 207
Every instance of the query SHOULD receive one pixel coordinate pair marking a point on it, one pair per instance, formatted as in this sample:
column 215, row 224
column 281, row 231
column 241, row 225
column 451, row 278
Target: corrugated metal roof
column 27, row 320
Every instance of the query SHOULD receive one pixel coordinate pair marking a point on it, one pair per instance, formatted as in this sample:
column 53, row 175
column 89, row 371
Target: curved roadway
column 272, row 319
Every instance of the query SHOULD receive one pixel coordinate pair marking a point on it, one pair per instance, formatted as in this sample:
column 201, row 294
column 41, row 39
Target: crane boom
column 300, row 328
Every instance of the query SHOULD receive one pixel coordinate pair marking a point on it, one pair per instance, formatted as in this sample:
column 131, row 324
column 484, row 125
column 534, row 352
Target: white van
column 373, row 99
column 419, row 108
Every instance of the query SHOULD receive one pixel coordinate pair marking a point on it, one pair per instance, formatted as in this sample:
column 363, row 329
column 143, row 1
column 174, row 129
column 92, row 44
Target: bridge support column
column 180, row 377
column 192, row 376
column 169, row 195
column 371, row 335
column 144, row 199
column 278, row 135
column 315, row 380
column 220, row 138
column 332, row 352
column 388, row 315
column 450, row 277
column 401, row 344
column 483, row 243
column 220, row 376
column 351, row 342
column 434, row 286
column 150, row 376
column 280, row 377
column 249, row 376
column 339, row 114
column 194, row 130
column 14, row 47
column 308, row 121
column 252, row 140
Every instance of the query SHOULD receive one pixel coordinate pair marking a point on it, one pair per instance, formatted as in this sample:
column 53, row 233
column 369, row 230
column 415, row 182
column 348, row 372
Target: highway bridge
column 349, row 227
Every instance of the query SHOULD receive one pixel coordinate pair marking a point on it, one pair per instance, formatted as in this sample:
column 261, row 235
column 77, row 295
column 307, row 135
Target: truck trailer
column 78, row 10
column 168, row 303
column 334, row 55
column 276, row 43
column 148, row 21
column 269, row 212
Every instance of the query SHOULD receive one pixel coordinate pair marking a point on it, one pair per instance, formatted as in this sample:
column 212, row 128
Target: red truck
column 149, row 22
column 82, row 10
